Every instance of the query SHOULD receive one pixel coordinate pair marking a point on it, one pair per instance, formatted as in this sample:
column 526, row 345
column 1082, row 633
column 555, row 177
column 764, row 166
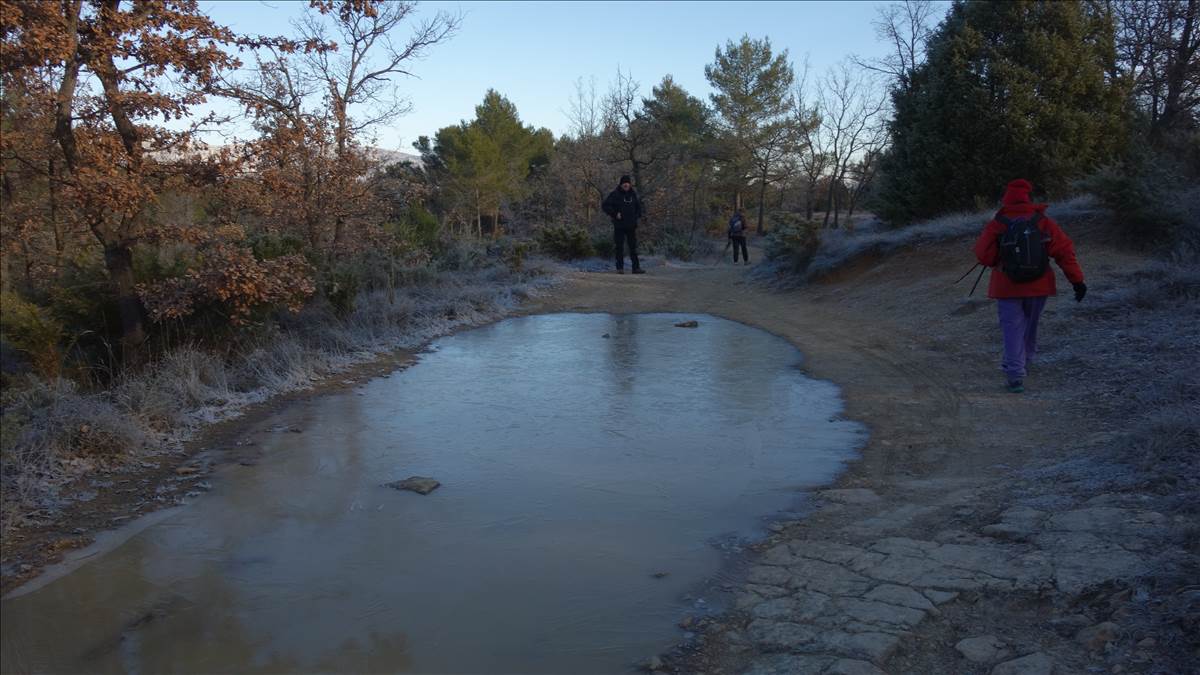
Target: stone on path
column 419, row 484
column 852, row 667
column 850, row 496
column 1096, row 637
column 983, row 649
column 1033, row 664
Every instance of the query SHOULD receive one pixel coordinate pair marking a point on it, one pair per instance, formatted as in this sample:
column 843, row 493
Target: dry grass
column 54, row 433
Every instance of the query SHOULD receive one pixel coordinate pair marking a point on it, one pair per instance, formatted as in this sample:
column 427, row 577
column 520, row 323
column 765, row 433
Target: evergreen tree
column 753, row 98
column 485, row 163
column 1011, row 89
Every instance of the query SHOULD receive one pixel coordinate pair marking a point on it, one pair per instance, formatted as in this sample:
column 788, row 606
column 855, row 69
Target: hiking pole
column 976, row 285
column 728, row 243
column 964, row 276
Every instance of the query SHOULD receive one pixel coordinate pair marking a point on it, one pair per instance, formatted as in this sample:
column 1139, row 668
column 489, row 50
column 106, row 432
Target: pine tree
column 753, row 98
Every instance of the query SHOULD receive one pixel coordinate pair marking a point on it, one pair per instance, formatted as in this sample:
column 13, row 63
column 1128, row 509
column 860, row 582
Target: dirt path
column 936, row 535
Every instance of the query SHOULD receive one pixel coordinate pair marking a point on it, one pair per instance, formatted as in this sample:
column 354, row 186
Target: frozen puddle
column 579, row 454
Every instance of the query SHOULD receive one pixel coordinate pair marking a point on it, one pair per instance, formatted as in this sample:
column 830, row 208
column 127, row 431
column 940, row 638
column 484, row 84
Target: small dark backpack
column 1023, row 253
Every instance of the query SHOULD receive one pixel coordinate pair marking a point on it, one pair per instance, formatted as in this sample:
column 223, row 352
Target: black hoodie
column 625, row 203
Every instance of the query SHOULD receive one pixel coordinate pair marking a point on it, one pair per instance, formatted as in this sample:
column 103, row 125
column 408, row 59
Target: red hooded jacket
column 1016, row 205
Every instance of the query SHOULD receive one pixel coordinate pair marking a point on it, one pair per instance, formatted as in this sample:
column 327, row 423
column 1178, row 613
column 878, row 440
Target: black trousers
column 740, row 241
column 620, row 236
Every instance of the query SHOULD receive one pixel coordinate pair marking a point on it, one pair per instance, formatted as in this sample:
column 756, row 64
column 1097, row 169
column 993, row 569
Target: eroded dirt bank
column 969, row 538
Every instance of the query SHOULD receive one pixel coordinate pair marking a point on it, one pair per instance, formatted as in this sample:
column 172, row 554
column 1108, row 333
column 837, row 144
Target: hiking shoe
column 1016, row 387
column 619, row 271
column 638, row 270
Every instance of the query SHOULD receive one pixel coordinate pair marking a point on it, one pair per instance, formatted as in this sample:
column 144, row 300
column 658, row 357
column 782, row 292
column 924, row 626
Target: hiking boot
column 619, row 270
column 638, row 270
column 1016, row 387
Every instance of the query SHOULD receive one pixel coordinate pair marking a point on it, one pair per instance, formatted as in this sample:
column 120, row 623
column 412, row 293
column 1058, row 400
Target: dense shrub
column 792, row 242
column 602, row 244
column 511, row 251
column 33, row 331
column 565, row 242
column 677, row 245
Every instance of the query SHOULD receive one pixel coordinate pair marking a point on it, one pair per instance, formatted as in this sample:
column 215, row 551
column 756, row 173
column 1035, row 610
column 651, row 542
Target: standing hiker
column 624, row 207
column 1018, row 245
column 737, row 235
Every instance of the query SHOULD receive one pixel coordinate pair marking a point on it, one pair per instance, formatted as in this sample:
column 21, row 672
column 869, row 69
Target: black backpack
column 1023, row 253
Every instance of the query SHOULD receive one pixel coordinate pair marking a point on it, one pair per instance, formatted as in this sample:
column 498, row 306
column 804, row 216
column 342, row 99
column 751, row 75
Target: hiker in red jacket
column 1018, row 245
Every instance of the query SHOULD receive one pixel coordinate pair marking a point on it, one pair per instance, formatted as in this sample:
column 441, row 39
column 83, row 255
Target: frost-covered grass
column 841, row 247
column 54, row 432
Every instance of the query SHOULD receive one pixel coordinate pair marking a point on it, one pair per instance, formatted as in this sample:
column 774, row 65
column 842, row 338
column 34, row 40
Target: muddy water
column 579, row 455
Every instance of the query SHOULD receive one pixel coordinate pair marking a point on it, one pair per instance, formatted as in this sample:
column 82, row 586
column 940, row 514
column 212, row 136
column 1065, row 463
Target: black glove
column 1080, row 291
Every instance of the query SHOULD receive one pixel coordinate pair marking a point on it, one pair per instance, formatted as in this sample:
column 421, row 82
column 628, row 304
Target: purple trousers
column 1019, row 323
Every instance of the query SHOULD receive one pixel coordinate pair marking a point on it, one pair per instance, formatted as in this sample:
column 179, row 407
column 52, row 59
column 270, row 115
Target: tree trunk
column 478, row 217
column 828, row 204
column 1177, row 73
column 762, row 204
column 59, row 238
column 118, row 261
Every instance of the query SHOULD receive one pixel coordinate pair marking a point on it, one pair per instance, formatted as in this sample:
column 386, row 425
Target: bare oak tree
column 852, row 110
column 369, row 55
column 904, row 28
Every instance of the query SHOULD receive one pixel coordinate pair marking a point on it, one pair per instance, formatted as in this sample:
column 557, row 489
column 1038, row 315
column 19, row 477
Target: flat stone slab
column 419, row 484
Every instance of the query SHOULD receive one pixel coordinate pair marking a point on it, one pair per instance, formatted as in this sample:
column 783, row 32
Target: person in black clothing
column 737, row 235
column 624, row 207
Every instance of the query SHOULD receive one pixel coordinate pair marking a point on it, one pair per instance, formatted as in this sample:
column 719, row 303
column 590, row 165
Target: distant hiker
column 624, row 207
column 737, row 235
column 1018, row 245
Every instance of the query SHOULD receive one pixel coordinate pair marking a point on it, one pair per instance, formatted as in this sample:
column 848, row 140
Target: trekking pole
column 964, row 276
column 981, row 271
column 728, row 243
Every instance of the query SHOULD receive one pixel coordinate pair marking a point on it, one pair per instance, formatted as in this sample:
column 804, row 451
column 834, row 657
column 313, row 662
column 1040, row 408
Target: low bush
column 565, row 242
column 792, row 242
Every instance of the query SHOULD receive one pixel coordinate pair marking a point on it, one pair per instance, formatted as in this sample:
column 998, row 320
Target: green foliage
column 1151, row 191
column 677, row 244
column 32, row 330
column 512, row 252
column 792, row 241
column 1009, row 89
column 485, row 163
column 271, row 245
column 602, row 244
column 341, row 286
column 752, row 85
column 565, row 242
column 458, row 255
column 419, row 228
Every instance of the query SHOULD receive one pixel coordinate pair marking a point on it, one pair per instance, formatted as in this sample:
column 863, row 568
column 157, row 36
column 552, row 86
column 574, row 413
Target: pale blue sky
column 533, row 52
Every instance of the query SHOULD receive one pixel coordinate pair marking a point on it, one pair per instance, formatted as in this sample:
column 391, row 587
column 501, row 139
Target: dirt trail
column 936, row 535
